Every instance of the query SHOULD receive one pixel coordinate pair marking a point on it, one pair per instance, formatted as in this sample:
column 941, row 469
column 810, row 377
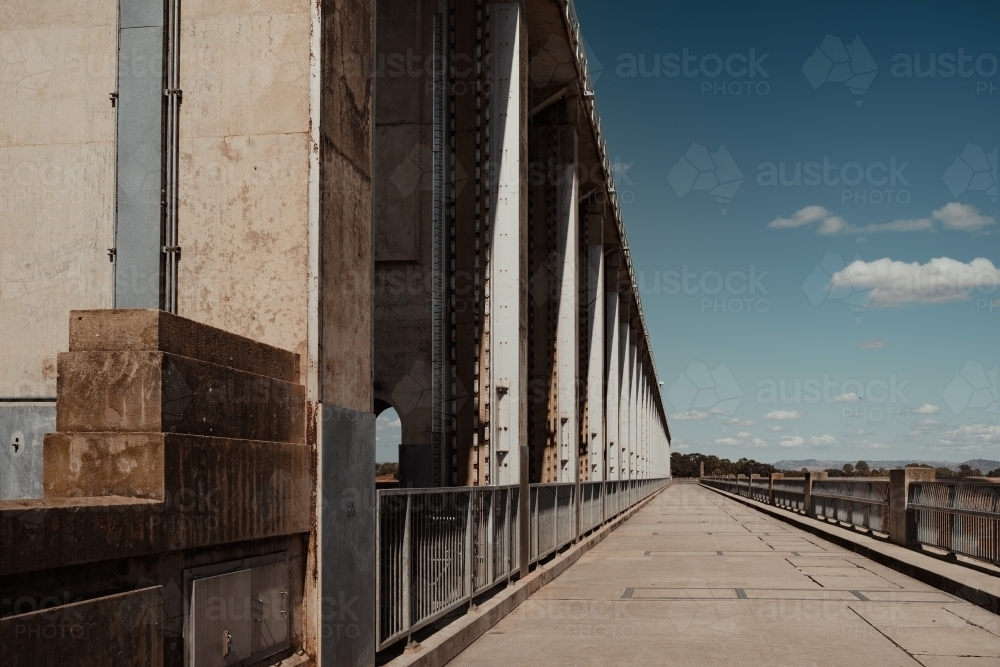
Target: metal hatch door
column 270, row 605
column 221, row 611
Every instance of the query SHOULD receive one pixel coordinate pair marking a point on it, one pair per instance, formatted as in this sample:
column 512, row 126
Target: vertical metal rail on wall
column 171, row 247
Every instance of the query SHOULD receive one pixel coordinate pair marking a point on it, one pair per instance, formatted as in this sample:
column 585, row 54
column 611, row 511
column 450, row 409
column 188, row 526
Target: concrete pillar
column 596, row 328
column 612, row 367
column 624, row 338
column 810, row 478
column 567, row 324
column 770, row 490
column 899, row 489
column 507, row 351
column 633, row 424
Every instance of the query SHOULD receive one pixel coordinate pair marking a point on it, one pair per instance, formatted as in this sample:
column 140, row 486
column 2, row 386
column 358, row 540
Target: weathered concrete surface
column 698, row 579
column 156, row 330
column 159, row 392
column 345, row 206
column 124, row 630
column 56, row 179
column 215, row 491
column 104, row 464
column 244, row 167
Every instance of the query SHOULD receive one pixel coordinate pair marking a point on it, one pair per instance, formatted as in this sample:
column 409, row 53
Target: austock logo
column 974, row 387
column 852, row 284
column 700, row 170
column 974, row 170
column 835, row 62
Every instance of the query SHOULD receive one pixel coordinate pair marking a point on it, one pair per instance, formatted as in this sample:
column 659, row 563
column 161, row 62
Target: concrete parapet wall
column 124, row 630
column 215, row 491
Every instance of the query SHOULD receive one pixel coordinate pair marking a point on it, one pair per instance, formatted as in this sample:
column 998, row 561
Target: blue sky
column 884, row 287
column 877, row 298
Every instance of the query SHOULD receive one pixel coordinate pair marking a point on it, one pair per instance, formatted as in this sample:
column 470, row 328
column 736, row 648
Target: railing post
column 899, row 489
column 811, row 476
column 469, row 556
column 770, row 488
column 750, row 491
column 407, row 567
column 524, row 513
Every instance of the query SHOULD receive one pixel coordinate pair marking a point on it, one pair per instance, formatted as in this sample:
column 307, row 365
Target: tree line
column 689, row 465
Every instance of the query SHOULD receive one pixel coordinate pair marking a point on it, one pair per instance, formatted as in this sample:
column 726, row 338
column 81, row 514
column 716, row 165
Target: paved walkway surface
column 695, row 578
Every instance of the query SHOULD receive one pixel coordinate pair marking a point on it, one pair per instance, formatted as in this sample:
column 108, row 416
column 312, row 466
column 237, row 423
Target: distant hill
column 985, row 465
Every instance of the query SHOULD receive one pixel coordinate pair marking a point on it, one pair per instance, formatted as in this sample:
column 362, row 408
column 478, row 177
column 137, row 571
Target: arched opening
column 388, row 435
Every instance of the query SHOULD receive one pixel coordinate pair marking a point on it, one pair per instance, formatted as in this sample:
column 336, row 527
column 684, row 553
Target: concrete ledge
column 156, row 330
column 451, row 640
column 979, row 588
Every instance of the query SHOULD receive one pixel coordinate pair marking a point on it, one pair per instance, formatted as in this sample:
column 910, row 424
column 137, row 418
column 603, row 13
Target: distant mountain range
column 984, row 465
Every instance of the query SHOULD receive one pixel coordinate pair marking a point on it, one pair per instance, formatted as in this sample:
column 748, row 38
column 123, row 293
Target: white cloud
column 743, row 434
column 850, row 397
column 953, row 215
column 823, row 440
column 757, row 442
column 789, row 441
column 972, row 436
column 690, row 415
column 894, row 283
column 872, row 344
column 927, row 409
column 732, row 442
column 962, row 216
column 872, row 445
column 737, row 422
column 775, row 428
column 782, row 415
column 832, row 225
column 802, row 217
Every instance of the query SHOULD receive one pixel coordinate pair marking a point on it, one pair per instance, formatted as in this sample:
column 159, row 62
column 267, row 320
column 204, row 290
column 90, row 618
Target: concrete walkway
column 695, row 578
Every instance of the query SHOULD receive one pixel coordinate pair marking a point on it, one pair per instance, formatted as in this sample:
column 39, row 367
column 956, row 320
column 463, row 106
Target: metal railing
column 962, row 517
column 439, row 548
column 860, row 502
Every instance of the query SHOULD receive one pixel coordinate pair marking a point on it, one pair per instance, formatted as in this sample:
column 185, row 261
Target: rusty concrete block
column 141, row 391
column 216, row 491
column 124, row 630
column 156, row 330
column 104, row 464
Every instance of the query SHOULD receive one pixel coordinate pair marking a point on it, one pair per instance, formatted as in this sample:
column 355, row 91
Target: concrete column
column 624, row 394
column 613, row 368
column 899, row 489
column 506, row 347
column 596, row 328
column 633, row 426
column 567, row 325
column 770, row 490
column 810, row 478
